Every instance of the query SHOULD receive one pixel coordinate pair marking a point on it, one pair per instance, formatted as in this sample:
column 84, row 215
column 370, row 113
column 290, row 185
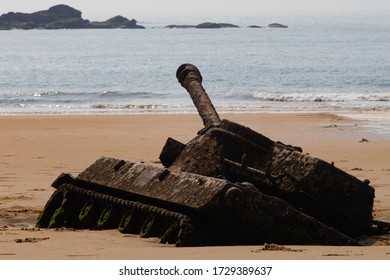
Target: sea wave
column 142, row 108
column 321, row 97
column 131, row 94
column 151, row 102
column 130, row 106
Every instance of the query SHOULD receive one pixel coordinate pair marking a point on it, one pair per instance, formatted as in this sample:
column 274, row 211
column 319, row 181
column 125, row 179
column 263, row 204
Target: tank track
column 74, row 207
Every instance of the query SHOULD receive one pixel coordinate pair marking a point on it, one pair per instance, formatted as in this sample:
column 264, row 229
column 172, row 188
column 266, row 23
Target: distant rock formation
column 204, row 25
column 59, row 17
column 212, row 25
column 180, row 26
column 115, row 22
column 228, row 25
column 277, row 25
column 255, row 26
column 65, row 17
column 216, row 25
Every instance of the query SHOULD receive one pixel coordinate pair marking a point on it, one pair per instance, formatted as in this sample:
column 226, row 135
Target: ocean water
column 323, row 63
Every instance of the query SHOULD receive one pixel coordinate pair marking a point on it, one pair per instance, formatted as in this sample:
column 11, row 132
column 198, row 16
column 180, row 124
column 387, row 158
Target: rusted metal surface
column 318, row 188
column 191, row 79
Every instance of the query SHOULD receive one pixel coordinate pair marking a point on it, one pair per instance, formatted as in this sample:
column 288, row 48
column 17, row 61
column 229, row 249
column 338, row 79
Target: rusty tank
column 235, row 152
column 228, row 186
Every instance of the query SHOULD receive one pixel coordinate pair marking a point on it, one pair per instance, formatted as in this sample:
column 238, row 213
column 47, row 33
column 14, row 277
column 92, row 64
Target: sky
column 147, row 9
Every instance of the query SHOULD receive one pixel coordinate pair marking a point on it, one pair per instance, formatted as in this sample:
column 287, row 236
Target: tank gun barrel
column 190, row 78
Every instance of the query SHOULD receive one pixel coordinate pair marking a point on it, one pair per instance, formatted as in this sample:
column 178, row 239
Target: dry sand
column 36, row 149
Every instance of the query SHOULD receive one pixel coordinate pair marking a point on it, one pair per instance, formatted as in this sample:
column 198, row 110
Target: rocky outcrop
column 115, row 22
column 180, row 26
column 204, row 25
column 228, row 25
column 277, row 25
column 255, row 26
column 59, row 17
column 65, row 17
column 212, row 25
column 208, row 25
column 215, row 25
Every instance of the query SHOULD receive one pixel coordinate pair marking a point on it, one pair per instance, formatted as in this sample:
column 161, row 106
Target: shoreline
column 37, row 148
column 373, row 122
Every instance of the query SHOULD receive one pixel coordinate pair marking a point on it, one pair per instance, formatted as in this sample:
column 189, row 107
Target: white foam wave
column 321, row 97
column 129, row 106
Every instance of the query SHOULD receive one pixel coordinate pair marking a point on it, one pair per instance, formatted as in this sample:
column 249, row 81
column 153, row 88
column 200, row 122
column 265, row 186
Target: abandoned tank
column 228, row 186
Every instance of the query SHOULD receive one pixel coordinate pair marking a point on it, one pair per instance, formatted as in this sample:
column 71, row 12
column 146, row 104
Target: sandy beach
column 36, row 149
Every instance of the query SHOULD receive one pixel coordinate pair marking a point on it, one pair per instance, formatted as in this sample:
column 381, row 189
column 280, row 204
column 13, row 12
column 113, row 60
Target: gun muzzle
column 191, row 79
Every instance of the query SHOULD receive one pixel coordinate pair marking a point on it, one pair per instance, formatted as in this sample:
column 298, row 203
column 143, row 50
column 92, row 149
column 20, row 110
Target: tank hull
column 178, row 207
